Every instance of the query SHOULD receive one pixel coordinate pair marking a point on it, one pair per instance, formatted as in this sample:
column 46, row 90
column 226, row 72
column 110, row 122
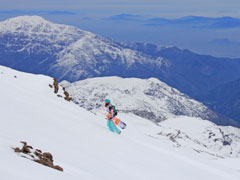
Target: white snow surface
column 81, row 143
column 92, row 55
column 91, row 46
column 36, row 33
column 149, row 98
column 37, row 25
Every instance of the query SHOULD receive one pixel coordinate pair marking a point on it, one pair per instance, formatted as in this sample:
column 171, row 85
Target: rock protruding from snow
column 36, row 155
column 149, row 98
column 62, row 93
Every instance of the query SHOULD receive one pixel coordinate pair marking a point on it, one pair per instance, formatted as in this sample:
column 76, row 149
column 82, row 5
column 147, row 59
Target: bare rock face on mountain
column 149, row 98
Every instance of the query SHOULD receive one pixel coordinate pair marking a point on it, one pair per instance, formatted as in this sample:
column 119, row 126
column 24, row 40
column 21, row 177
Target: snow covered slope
column 148, row 98
column 203, row 136
column 93, row 56
column 33, row 44
column 34, row 33
column 83, row 146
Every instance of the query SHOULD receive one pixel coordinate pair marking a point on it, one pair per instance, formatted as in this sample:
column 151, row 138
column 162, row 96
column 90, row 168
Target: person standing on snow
column 111, row 116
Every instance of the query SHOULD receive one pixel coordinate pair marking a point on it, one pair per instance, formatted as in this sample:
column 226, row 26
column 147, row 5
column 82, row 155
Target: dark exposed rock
column 67, row 96
column 225, row 143
column 58, row 168
column 48, row 156
column 45, row 158
column 55, row 84
column 25, row 149
column 17, row 150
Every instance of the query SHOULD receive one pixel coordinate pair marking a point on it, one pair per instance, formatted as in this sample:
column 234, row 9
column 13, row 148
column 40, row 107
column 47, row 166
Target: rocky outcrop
column 67, row 96
column 37, row 155
column 55, row 86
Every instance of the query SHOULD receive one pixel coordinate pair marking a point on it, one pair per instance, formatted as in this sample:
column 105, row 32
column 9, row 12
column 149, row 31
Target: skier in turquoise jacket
column 112, row 112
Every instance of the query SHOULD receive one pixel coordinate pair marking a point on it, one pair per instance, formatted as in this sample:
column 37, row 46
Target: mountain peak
column 36, row 27
column 24, row 23
column 35, row 24
column 28, row 18
column 32, row 20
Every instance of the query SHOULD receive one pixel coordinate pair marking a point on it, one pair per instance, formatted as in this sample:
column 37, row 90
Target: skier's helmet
column 107, row 102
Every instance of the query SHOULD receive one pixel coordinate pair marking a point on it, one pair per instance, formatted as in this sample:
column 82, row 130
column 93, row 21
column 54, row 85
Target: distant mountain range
column 203, row 35
column 33, row 44
column 187, row 21
column 199, row 22
column 189, row 72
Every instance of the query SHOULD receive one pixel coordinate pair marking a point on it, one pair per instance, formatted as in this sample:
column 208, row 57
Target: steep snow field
column 81, row 143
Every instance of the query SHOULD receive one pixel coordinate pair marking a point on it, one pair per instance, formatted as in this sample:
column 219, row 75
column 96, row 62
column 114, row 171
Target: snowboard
column 119, row 123
column 122, row 125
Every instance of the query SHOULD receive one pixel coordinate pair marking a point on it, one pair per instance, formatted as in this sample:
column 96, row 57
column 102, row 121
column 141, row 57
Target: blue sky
column 151, row 8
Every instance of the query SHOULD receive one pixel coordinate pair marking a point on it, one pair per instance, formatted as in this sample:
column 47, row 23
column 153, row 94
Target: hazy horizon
column 152, row 8
column 93, row 16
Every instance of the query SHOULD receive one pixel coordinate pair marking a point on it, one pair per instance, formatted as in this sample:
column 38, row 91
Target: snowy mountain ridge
column 95, row 56
column 67, row 52
column 84, row 147
column 33, row 33
column 148, row 98
column 26, row 24
column 30, row 25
